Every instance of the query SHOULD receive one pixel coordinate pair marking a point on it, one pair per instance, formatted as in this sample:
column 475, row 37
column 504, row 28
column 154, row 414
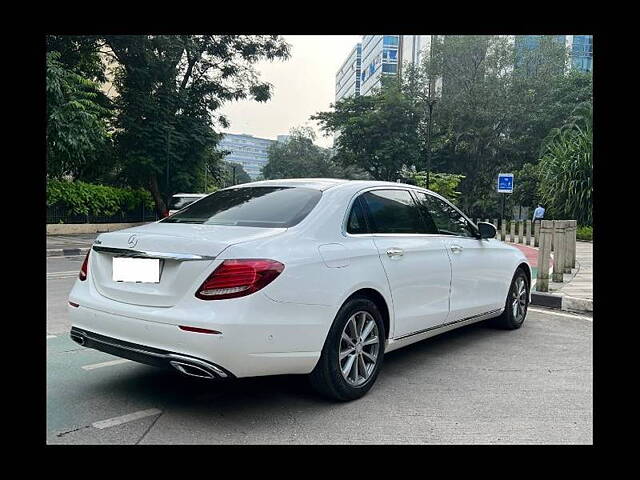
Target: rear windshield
column 177, row 203
column 269, row 207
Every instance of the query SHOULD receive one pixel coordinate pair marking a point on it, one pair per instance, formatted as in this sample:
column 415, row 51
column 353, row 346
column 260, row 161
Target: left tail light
column 84, row 269
column 238, row 278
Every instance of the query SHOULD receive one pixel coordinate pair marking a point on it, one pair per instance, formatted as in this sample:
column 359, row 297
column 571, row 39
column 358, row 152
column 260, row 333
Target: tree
column 525, row 191
column 170, row 87
column 78, row 113
column 446, row 184
column 298, row 157
column 378, row 134
column 566, row 168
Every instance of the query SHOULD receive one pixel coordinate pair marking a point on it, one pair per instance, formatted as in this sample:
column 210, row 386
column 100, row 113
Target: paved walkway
column 579, row 283
column 577, row 286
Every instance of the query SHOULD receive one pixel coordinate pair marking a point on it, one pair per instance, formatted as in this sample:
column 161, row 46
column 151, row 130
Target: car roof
column 322, row 183
column 190, row 194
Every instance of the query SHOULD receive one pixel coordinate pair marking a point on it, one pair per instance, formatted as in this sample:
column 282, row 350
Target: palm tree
column 566, row 168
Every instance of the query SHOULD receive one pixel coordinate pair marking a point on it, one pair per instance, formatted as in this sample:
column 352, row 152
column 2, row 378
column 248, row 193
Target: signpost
column 505, row 185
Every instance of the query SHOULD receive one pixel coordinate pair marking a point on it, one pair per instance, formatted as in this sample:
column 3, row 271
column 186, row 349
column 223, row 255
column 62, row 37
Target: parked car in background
column 298, row 276
column 181, row 200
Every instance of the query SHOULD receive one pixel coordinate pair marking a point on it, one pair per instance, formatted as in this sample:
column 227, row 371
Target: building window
column 390, row 68
column 390, row 40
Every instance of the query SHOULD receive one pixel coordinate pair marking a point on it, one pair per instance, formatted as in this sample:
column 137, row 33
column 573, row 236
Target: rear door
column 478, row 267
column 415, row 261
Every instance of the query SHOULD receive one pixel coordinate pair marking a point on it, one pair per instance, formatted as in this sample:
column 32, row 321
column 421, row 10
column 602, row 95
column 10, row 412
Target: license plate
column 142, row 270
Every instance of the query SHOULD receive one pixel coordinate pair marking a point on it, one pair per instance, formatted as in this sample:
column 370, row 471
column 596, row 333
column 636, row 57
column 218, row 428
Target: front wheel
column 353, row 352
column 515, row 309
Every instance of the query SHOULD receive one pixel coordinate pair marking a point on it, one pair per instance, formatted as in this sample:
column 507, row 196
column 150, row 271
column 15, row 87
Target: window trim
column 411, row 189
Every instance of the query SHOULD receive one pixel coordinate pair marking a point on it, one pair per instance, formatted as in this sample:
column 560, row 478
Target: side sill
column 396, row 343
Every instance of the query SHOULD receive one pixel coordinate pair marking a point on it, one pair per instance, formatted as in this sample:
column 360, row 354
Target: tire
column 508, row 320
column 327, row 378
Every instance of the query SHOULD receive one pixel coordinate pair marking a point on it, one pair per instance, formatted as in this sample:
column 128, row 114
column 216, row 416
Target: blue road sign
column 505, row 183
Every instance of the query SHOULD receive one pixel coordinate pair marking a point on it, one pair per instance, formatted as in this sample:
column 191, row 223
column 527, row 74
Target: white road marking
column 105, row 364
column 112, row 422
column 69, row 274
column 561, row 314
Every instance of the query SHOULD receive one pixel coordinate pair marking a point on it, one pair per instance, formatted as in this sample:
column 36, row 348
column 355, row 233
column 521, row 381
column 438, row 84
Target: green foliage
column 584, row 233
column 298, row 157
column 566, row 168
column 446, row 184
column 170, row 87
column 376, row 133
column 84, row 198
column 526, row 187
column 486, row 116
column 77, row 120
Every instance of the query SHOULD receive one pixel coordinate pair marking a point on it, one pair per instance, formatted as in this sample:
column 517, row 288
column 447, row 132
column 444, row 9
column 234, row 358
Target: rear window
column 269, row 207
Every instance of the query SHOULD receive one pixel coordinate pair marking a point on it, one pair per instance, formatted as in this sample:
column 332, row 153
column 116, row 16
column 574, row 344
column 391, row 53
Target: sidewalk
column 576, row 290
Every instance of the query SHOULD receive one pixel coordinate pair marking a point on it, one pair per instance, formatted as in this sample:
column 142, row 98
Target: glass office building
column 582, row 52
column 247, row 150
column 580, row 49
column 375, row 57
column 348, row 77
column 379, row 57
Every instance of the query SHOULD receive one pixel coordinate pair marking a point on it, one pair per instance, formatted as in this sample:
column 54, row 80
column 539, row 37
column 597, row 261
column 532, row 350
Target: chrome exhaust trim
column 209, row 368
column 191, row 370
column 79, row 339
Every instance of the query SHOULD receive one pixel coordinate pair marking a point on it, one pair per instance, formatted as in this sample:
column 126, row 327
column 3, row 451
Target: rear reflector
column 238, row 278
column 198, row 330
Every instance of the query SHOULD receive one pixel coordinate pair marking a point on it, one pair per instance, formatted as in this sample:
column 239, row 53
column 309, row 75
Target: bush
column 584, row 233
column 82, row 198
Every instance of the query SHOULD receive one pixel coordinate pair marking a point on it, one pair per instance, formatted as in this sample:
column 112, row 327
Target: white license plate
column 145, row 270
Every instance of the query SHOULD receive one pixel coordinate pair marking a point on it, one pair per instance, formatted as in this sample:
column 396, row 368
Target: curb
column 66, row 252
column 561, row 302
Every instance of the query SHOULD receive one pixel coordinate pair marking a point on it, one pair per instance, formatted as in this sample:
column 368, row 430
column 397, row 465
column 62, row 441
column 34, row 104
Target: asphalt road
column 474, row 385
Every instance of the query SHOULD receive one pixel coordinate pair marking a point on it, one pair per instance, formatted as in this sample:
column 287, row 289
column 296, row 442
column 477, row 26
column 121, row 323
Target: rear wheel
column 353, row 352
column 515, row 308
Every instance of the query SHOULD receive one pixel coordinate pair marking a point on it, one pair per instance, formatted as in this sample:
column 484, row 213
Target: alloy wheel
column 359, row 348
column 519, row 299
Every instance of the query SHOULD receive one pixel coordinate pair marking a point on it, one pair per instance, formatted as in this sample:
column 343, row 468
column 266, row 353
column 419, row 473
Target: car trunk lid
column 186, row 252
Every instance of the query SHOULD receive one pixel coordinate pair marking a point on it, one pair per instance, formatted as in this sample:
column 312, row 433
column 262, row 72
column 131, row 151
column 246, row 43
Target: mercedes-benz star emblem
column 133, row 240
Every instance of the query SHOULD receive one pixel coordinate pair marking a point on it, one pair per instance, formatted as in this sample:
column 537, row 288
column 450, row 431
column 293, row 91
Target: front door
column 477, row 281
column 415, row 260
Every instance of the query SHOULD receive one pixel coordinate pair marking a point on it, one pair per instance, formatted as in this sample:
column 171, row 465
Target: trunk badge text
column 133, row 240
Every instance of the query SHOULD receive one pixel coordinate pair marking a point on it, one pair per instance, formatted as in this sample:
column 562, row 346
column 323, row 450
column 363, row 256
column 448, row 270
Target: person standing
column 538, row 213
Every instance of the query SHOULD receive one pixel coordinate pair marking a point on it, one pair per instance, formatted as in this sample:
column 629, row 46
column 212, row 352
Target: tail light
column 85, row 268
column 238, row 278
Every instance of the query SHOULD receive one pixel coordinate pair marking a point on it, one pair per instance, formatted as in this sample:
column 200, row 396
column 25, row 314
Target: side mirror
column 487, row 230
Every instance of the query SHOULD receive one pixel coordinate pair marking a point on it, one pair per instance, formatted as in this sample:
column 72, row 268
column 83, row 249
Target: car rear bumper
column 191, row 366
column 266, row 347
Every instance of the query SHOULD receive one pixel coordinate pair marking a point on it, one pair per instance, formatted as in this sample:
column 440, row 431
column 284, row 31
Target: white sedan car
column 298, row 276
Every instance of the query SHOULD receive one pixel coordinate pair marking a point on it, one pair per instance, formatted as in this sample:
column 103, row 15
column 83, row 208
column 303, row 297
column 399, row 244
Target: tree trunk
column 161, row 207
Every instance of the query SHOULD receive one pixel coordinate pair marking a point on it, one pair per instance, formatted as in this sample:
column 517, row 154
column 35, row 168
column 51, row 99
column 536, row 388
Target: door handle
column 395, row 252
column 456, row 248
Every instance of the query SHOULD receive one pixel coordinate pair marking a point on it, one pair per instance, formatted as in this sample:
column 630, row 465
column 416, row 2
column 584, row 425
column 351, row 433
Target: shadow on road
column 149, row 384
